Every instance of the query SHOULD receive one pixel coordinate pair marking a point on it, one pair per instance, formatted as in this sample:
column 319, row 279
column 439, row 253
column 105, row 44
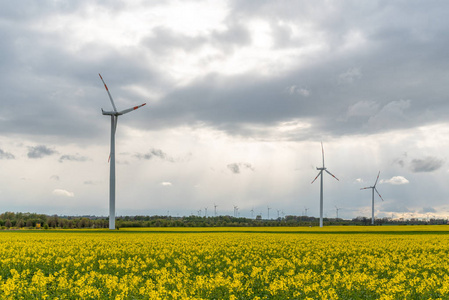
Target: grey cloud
column 164, row 40
column 428, row 210
column 402, row 57
column 40, row 151
column 362, row 109
column 394, row 207
column 428, row 164
column 350, row 76
column 155, row 153
column 6, row 155
column 392, row 92
column 391, row 115
column 73, row 158
column 237, row 167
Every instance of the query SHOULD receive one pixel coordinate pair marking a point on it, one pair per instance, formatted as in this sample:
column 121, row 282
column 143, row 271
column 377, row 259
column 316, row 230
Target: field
column 227, row 263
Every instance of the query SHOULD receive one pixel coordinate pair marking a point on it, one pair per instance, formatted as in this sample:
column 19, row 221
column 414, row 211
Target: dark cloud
column 6, row 155
column 237, row 167
column 348, row 92
column 428, row 164
column 158, row 153
column 73, row 158
column 386, row 58
column 40, row 151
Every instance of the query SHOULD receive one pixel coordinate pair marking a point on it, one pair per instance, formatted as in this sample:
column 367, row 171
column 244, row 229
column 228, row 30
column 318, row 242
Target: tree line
column 17, row 220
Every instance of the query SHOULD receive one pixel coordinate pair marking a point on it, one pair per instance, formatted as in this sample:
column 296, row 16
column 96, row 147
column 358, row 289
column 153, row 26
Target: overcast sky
column 239, row 96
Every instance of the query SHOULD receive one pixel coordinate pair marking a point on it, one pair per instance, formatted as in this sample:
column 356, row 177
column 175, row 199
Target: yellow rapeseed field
column 246, row 263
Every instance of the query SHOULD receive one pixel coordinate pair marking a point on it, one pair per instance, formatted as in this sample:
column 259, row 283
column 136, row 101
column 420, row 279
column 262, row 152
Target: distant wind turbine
column 321, row 187
column 372, row 200
column 337, row 209
column 114, row 118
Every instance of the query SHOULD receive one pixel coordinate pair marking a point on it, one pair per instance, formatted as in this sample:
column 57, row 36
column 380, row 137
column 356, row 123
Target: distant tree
column 19, row 223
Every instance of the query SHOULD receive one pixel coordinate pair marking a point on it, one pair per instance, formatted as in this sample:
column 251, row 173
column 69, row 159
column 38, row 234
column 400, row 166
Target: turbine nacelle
column 119, row 113
column 108, row 113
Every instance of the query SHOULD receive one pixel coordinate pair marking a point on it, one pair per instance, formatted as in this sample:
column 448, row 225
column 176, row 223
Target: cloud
column 6, row 155
column 428, row 210
column 362, row 109
column 155, row 153
column 55, row 177
column 73, row 158
column 359, row 180
column 237, row 167
column 295, row 90
column 40, row 151
column 394, row 207
column 391, row 115
column 350, row 76
column 90, row 182
column 395, row 180
column 428, row 164
column 62, row 192
column 166, row 183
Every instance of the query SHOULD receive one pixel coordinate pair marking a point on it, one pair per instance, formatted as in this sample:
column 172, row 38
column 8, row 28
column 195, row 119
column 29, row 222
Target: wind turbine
column 321, row 187
column 372, row 201
column 114, row 118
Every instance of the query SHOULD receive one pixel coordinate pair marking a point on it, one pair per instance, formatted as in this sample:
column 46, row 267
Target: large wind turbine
column 321, row 187
column 372, row 201
column 114, row 118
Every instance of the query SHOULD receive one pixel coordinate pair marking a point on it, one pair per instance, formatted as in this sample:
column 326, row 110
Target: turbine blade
column 379, row 194
column 107, row 90
column 377, row 178
column 331, row 174
column 365, row 188
column 317, row 176
column 130, row 109
column 322, row 151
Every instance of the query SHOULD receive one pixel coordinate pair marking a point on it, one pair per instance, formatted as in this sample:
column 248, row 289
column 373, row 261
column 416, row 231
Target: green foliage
column 29, row 220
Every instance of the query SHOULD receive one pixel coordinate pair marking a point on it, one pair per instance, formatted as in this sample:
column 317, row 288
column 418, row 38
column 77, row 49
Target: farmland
column 227, row 263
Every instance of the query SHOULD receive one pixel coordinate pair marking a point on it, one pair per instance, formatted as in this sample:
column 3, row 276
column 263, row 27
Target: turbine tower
column 372, row 200
column 321, row 186
column 114, row 118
